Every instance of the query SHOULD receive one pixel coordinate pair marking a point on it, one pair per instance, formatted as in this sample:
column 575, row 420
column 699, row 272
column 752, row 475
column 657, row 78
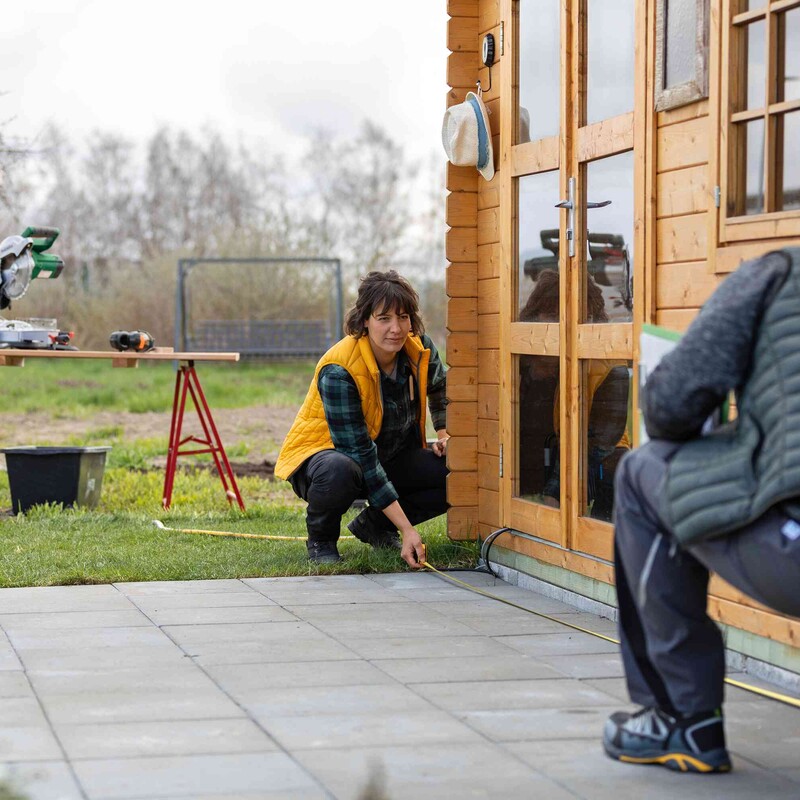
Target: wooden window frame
column 667, row 97
column 770, row 224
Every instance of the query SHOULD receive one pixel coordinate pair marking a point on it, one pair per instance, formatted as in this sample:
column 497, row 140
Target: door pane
column 789, row 44
column 537, row 476
column 681, row 44
column 609, row 62
column 606, row 392
column 747, row 169
column 788, row 167
column 539, row 69
column 609, row 238
column 755, row 43
column 537, row 242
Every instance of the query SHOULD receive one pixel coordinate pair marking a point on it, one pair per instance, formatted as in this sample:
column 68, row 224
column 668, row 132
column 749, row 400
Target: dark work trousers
column 672, row 651
column 330, row 481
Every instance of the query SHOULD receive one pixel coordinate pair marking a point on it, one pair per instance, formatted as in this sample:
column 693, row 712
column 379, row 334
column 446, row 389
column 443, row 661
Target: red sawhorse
column 187, row 382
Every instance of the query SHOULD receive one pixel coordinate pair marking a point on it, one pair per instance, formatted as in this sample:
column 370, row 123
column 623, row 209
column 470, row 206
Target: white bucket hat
column 467, row 136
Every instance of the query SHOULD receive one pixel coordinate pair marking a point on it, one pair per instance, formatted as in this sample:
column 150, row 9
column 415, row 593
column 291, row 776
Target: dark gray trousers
column 330, row 481
column 672, row 650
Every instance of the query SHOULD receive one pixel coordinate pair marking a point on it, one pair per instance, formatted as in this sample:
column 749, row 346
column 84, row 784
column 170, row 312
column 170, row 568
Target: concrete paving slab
column 26, row 640
column 22, row 711
column 753, row 727
column 163, row 738
column 562, row 693
column 592, row 665
column 185, row 676
column 113, row 779
column 321, row 701
column 246, row 597
column 424, row 646
column 478, row 770
column 321, row 649
column 419, row 728
column 42, row 780
column 101, row 658
column 8, row 658
column 140, row 705
column 230, row 615
column 67, row 620
column 189, row 636
column 43, row 599
column 178, row 587
column 27, row 743
column 559, row 644
column 498, row 667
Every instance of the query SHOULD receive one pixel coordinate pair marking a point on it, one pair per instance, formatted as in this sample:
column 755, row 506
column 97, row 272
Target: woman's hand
column 413, row 551
column 439, row 447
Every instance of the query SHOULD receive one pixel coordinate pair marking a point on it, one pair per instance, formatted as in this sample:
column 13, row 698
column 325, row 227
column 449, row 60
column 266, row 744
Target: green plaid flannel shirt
column 342, row 404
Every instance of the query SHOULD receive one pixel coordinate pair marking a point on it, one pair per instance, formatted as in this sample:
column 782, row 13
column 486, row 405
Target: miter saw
column 23, row 258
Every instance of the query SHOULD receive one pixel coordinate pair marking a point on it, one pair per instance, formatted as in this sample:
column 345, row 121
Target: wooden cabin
column 685, row 115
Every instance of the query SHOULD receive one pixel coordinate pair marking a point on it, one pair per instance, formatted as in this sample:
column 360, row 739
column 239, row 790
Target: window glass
column 538, row 244
column 681, row 41
column 789, row 42
column 750, row 137
column 755, row 37
column 609, row 238
column 539, row 69
column 537, row 476
column 789, row 161
column 606, row 393
column 609, row 62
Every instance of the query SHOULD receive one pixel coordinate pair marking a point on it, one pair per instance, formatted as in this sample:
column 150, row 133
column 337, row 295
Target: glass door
column 568, row 348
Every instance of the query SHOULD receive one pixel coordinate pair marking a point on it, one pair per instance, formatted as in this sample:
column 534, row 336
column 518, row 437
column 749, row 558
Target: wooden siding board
column 461, row 179
column 489, row 401
column 489, row 366
column 462, row 384
column 489, row 259
column 462, row 69
column 462, row 209
column 684, row 145
column 462, row 419
column 462, row 488
column 461, row 280
column 462, row 34
column 462, row 8
column 462, row 453
column 489, row 296
column 462, row 314
column 684, row 285
column 462, row 349
column 461, row 244
column 489, row 330
column 489, row 508
column 682, row 239
column 462, row 523
column 488, row 437
column 684, row 191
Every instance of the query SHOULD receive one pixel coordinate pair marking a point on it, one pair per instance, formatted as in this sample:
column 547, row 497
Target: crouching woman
column 361, row 429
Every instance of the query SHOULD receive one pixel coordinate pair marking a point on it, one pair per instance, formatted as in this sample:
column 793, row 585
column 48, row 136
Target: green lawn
column 118, row 540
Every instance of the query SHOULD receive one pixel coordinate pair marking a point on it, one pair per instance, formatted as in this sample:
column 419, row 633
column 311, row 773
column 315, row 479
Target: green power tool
column 22, row 259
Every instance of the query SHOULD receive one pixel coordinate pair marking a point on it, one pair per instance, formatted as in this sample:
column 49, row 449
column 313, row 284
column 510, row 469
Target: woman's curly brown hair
column 380, row 292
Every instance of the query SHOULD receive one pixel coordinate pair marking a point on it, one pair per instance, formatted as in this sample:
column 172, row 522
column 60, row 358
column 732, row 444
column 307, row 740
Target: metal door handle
column 569, row 204
column 601, row 204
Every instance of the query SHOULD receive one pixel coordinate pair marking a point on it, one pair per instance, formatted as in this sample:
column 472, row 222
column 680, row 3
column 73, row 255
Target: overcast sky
column 271, row 70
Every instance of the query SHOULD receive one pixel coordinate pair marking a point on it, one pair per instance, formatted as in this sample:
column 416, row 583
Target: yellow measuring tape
column 781, row 698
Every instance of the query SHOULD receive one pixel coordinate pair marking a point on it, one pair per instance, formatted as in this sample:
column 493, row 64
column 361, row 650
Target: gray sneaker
column 323, row 552
column 376, row 538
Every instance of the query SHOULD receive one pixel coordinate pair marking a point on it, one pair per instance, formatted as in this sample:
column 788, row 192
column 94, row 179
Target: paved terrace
column 381, row 686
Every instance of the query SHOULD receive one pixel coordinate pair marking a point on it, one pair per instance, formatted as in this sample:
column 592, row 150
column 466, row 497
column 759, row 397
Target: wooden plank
column 462, row 349
column 461, row 179
column 779, row 224
column 462, row 209
column 684, row 145
column 613, row 135
column 729, row 258
column 461, row 280
column 541, row 339
column 488, row 437
column 462, row 384
column 762, row 623
column 462, row 488
column 488, row 226
column 595, row 538
column 491, row 96
column 489, row 472
column 489, row 259
column 488, row 195
column 489, row 508
column 682, row 239
column 462, row 70
column 489, row 330
column 686, row 285
column 462, row 419
column 462, row 34
column 676, row 319
column 543, row 521
column 462, row 453
column 488, row 401
column 462, row 314
column 489, row 296
column 538, row 156
column 462, row 8
column 461, row 244
column 604, row 341
column 684, row 191
column 488, row 17
column 489, row 366
column 462, row 523
column 682, row 113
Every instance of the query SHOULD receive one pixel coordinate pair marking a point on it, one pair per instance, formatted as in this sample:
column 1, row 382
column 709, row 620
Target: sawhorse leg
column 186, row 381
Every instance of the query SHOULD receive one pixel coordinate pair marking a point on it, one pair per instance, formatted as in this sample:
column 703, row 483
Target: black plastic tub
column 72, row 476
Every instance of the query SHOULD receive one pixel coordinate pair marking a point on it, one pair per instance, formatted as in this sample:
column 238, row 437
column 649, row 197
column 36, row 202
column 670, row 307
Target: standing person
column 361, row 429
column 728, row 502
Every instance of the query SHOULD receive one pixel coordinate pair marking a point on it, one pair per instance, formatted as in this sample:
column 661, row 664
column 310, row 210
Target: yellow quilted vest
column 309, row 433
